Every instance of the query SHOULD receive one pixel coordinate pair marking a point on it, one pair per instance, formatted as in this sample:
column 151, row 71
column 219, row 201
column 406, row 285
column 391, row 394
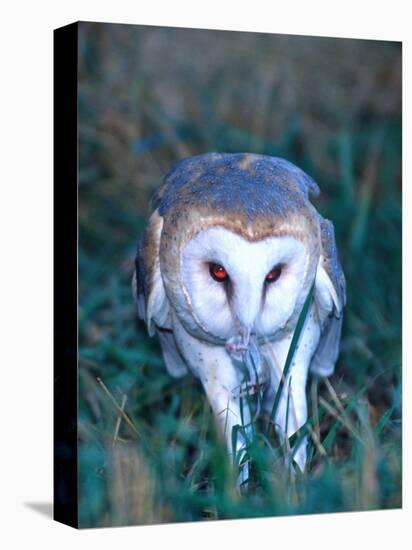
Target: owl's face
column 235, row 287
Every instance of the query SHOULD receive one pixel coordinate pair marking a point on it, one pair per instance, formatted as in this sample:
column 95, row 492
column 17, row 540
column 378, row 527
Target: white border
column 26, row 283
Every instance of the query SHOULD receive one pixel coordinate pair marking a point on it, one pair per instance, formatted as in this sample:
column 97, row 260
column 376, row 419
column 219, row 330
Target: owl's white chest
column 204, row 360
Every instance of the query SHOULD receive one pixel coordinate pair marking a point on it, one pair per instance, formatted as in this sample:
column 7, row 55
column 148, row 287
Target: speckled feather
column 254, row 185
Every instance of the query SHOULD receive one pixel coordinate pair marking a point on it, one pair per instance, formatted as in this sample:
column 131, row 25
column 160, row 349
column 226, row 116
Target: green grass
column 148, row 450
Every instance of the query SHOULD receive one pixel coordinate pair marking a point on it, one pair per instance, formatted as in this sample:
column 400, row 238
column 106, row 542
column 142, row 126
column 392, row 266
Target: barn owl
column 230, row 252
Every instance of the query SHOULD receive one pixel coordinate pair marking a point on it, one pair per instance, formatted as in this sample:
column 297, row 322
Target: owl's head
column 238, row 244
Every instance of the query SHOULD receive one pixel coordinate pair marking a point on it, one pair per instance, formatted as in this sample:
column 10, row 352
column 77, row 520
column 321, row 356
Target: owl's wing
column 152, row 303
column 172, row 357
column 330, row 299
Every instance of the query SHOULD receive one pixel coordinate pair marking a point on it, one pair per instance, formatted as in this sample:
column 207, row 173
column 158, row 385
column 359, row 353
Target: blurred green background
column 148, row 96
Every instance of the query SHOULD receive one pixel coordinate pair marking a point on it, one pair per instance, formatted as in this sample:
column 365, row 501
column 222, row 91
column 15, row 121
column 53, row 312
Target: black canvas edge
column 65, row 356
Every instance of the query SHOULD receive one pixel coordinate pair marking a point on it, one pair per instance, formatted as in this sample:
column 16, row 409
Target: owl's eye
column 218, row 273
column 274, row 274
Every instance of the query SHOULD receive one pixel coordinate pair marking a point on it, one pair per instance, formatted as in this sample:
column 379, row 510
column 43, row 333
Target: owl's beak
column 246, row 304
